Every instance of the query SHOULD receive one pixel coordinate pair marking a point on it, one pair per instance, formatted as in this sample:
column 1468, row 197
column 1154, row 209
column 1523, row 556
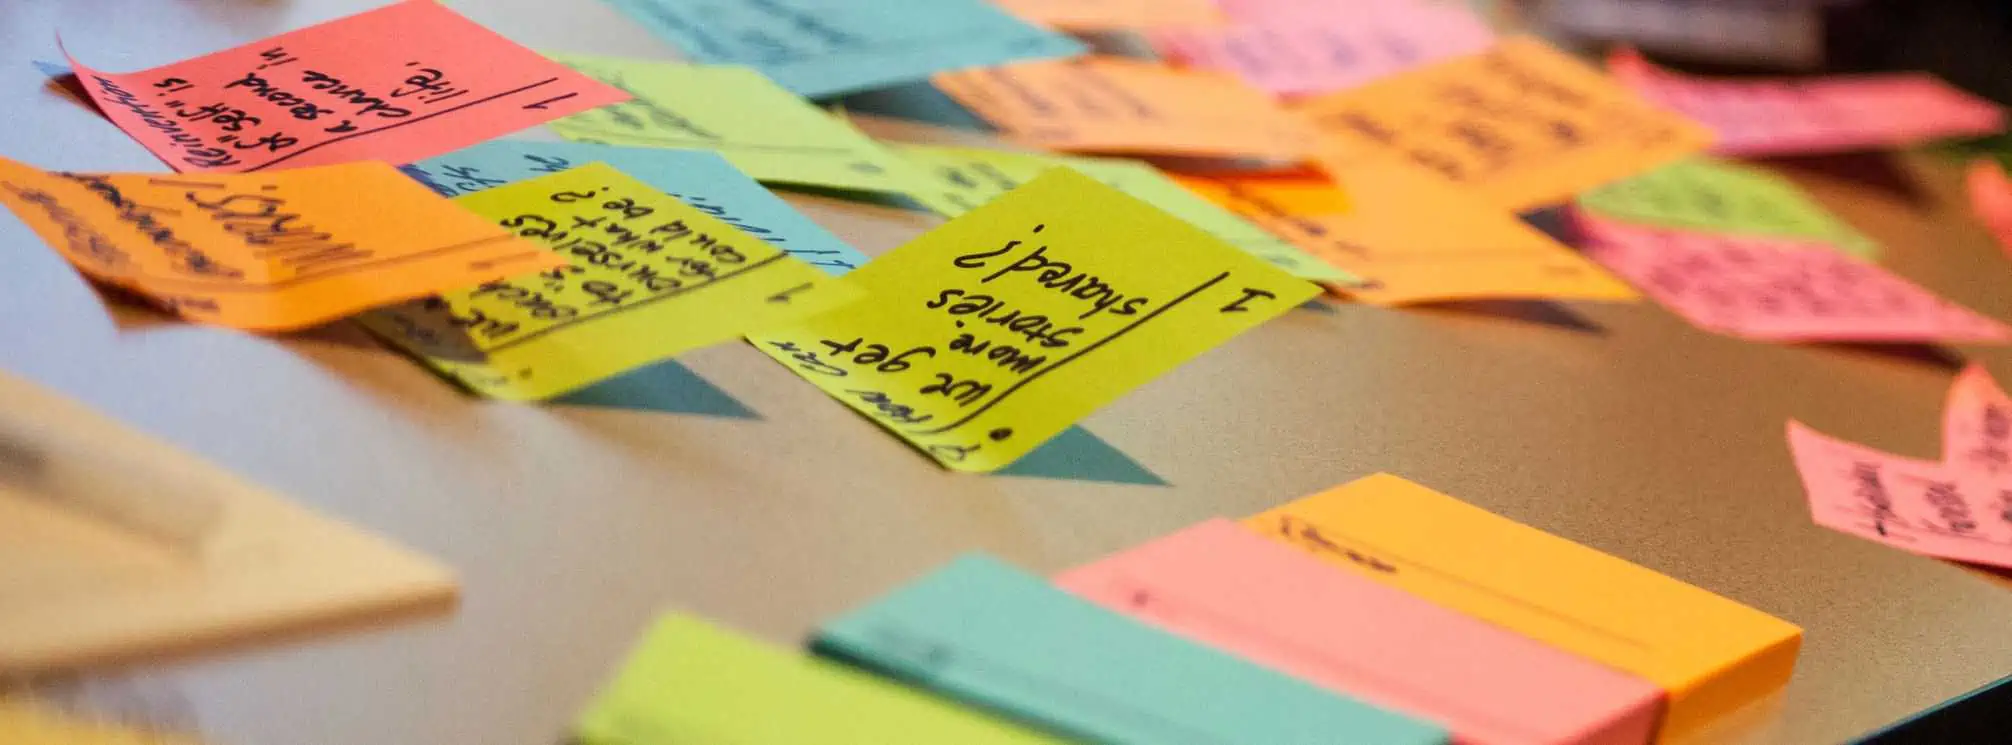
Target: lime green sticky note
column 647, row 276
column 764, row 130
column 989, row 335
column 1721, row 197
column 692, row 682
column 968, row 177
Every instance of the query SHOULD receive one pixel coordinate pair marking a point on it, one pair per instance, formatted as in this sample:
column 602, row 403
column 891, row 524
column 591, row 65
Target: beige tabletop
column 1617, row 426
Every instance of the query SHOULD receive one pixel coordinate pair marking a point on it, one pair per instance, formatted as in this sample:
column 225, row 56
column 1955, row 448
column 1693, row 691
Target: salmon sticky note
column 1715, row 196
column 1709, row 654
column 991, row 636
column 1302, row 55
column 1916, row 506
column 646, row 277
column 396, row 84
column 1117, row 105
column 762, row 129
column 268, row 251
column 1412, row 238
column 1113, row 15
column 1219, row 584
column 1775, row 290
column 969, row 177
column 992, row 333
column 1977, row 426
column 689, row 681
column 1787, row 116
column 1521, row 125
column 1991, row 199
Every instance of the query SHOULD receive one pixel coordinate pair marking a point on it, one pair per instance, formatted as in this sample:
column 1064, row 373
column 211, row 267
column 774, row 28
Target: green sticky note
column 764, row 130
column 995, row 637
column 692, row 682
column 1721, row 197
column 967, row 177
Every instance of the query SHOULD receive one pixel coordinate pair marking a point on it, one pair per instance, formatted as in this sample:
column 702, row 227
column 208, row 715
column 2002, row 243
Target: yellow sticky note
column 264, row 251
column 1521, row 125
column 968, row 177
column 647, row 277
column 1710, row 654
column 992, row 333
column 1411, row 238
column 763, row 129
column 25, row 723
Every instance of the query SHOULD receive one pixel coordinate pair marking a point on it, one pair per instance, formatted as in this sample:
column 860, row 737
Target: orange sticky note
column 1991, row 199
column 268, row 251
column 1520, row 125
column 400, row 83
column 1104, row 15
column 1116, row 105
column 1411, row 237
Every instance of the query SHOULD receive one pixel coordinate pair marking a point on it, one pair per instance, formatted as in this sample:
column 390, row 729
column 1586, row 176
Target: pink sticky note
column 1781, row 116
column 1770, row 289
column 1977, row 426
column 397, row 84
column 1221, row 584
column 1292, row 56
column 1913, row 505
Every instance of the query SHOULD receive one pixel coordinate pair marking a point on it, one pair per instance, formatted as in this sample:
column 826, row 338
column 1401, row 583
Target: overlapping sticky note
column 1716, row 196
column 702, row 179
column 396, row 84
column 988, row 335
column 691, row 682
column 1711, row 655
column 1295, row 55
column 1922, row 507
column 1118, row 105
column 1977, row 426
column 1411, row 238
column 646, row 277
column 1778, row 290
column 265, row 251
column 989, row 635
column 1991, row 199
column 969, row 177
column 762, row 129
column 821, row 48
column 1109, row 15
column 1521, row 125
column 1787, row 116
column 1220, row 584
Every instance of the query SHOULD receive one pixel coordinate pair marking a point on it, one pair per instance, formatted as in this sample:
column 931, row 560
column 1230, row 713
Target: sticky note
column 400, row 83
column 1521, row 125
column 689, row 681
column 990, row 334
column 264, row 251
column 1220, row 584
column 969, row 177
column 991, row 636
column 1715, row 196
column 1770, row 289
column 646, row 277
column 1302, row 55
column 1977, row 426
column 762, row 129
column 1113, row 15
column 1412, row 238
column 699, row 178
column 1913, row 505
column 1126, row 106
column 824, row 48
column 1991, row 199
column 24, row 722
column 1789, row 116
column 1709, row 654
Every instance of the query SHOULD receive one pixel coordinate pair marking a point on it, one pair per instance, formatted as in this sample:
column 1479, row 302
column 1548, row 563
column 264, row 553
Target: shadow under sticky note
column 1076, row 454
column 667, row 387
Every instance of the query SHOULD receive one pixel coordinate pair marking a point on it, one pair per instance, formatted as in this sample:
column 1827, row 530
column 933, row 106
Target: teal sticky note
column 702, row 179
column 667, row 387
column 1000, row 639
column 1077, row 454
column 823, row 48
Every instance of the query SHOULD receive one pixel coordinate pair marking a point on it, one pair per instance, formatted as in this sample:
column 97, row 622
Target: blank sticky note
column 999, row 639
column 1222, row 584
column 1710, row 655
column 1717, row 196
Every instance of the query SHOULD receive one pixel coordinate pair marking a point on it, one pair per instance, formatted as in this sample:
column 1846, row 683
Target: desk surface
column 1617, row 426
